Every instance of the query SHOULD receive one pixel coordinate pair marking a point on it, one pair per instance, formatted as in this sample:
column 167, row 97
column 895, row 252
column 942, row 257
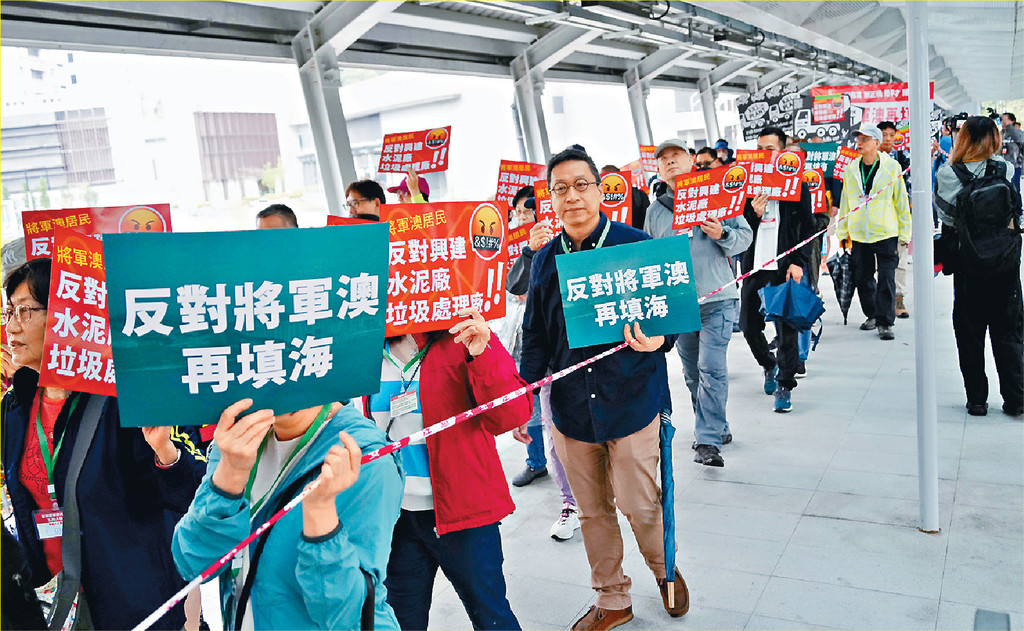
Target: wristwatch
column 725, row 232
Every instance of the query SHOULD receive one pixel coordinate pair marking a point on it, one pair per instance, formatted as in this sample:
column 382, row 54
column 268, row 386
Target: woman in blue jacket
column 129, row 481
column 315, row 567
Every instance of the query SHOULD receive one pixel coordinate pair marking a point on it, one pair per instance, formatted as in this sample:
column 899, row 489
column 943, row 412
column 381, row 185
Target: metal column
column 916, row 14
column 528, row 91
column 636, row 92
column 707, row 104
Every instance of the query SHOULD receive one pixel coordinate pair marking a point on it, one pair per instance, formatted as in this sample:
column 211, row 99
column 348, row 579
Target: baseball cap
column 671, row 142
column 404, row 187
column 721, row 144
column 531, row 203
column 868, row 130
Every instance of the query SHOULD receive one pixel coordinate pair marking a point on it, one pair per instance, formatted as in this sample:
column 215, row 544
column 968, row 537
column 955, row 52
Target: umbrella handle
column 672, row 595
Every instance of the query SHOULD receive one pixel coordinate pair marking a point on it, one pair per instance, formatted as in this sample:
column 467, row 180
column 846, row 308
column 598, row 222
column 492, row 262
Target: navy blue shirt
column 615, row 397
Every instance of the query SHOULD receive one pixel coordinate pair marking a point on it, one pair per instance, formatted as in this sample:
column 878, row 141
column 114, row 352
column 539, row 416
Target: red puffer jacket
column 466, row 477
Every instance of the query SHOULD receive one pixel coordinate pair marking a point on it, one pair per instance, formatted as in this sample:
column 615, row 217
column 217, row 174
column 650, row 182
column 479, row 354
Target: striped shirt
column 394, row 381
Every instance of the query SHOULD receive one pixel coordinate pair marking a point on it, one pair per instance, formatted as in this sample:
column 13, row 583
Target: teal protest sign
column 647, row 282
column 288, row 318
column 820, row 155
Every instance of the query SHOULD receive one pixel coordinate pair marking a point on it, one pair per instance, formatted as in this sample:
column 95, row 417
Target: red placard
column 637, row 176
column 815, row 181
column 716, row 193
column 444, row 257
column 648, row 160
column 901, row 142
column 76, row 346
column 513, row 176
column 617, row 201
column 334, row 220
column 517, row 239
column 828, row 108
column 776, row 173
column 93, row 221
column 425, row 151
column 544, row 210
column 843, row 160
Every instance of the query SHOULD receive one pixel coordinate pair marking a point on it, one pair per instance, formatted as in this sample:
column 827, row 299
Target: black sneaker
column 708, row 456
column 885, row 332
column 801, row 370
column 868, row 325
column 726, row 439
column 977, row 409
column 529, row 475
column 1013, row 411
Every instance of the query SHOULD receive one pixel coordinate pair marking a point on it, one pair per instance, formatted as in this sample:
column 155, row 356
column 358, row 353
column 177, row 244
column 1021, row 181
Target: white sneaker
column 567, row 524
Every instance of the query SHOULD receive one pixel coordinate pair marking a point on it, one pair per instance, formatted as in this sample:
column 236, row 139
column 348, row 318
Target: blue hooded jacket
column 303, row 583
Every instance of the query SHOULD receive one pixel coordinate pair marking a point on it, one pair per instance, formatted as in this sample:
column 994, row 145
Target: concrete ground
column 812, row 523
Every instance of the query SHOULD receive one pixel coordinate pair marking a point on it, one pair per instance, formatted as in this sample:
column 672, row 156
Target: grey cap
column 868, row 129
column 671, row 142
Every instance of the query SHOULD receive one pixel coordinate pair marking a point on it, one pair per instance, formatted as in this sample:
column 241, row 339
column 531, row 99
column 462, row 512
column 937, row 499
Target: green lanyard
column 867, row 176
column 308, row 436
column 600, row 241
column 50, row 457
column 402, row 371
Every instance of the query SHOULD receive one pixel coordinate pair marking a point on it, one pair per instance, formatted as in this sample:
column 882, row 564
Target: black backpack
column 988, row 210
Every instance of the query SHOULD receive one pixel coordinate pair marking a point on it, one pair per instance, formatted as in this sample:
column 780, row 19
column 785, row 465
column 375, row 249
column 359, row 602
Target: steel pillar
column 707, row 105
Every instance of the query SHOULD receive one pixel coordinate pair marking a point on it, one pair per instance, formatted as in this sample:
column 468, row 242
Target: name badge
column 49, row 523
column 404, row 403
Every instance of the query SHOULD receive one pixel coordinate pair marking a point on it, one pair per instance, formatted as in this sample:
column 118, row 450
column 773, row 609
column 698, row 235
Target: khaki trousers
column 621, row 472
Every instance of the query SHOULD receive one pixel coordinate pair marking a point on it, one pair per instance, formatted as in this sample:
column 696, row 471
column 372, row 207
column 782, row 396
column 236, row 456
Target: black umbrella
column 840, row 268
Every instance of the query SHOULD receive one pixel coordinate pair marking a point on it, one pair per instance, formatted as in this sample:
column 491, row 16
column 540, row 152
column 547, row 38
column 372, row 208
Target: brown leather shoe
column 901, row 309
column 682, row 596
column 597, row 619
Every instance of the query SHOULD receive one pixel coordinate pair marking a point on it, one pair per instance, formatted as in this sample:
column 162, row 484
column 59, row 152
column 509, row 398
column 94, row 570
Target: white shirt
column 766, row 242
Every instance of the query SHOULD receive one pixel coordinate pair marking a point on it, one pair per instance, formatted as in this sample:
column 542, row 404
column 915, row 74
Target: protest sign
column 513, row 176
column 777, row 176
column 517, row 239
column 648, row 282
column 76, row 345
column 901, row 142
column 648, row 161
column 444, row 257
column 544, row 210
column 820, row 155
column 334, row 220
column 837, row 130
column 637, row 176
column 815, row 181
column 769, row 106
column 716, row 193
column 843, row 159
column 92, row 221
column 879, row 101
column 617, row 200
column 828, row 108
column 289, row 318
column 425, row 151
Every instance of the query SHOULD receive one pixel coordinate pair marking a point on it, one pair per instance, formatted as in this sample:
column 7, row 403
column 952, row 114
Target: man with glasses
column 606, row 418
column 706, row 159
column 363, row 199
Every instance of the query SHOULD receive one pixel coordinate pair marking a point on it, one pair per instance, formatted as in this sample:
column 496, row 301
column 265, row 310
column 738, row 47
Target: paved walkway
column 812, row 523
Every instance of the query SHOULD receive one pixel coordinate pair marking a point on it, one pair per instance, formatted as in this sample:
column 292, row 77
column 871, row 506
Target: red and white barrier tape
column 430, row 431
column 367, row 458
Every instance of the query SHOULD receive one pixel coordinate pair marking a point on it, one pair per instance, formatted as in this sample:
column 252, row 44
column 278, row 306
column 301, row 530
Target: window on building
column 37, row 74
column 33, row 52
column 557, row 105
column 71, row 57
column 236, row 146
column 74, row 79
column 85, row 143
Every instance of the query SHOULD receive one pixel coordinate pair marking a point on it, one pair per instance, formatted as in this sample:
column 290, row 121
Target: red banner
column 815, row 181
column 545, row 211
column 444, row 257
column 40, row 224
column 513, row 176
column 517, row 239
column 617, row 202
column 334, row 220
column 717, row 193
column 843, row 160
column 775, row 173
column 76, row 346
column 880, row 101
column 425, row 151
column 637, row 176
column 902, row 140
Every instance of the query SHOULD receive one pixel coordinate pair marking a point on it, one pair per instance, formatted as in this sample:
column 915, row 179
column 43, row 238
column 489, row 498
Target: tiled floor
column 812, row 523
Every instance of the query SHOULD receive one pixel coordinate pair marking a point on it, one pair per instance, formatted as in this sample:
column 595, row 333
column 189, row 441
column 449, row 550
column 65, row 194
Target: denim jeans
column 705, row 372
column 471, row 559
column 535, row 452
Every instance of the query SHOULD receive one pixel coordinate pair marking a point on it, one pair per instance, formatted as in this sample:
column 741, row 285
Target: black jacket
column 127, row 508
column 796, row 223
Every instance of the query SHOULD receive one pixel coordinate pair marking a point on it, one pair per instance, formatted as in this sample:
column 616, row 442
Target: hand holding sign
column 759, row 203
column 640, row 342
column 713, row 228
column 540, row 234
column 238, row 441
column 159, row 438
column 474, row 333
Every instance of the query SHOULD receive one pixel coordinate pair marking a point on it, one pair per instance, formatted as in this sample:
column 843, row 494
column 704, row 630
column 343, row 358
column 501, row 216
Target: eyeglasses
column 580, row 185
column 355, row 202
column 21, row 313
column 704, row 165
